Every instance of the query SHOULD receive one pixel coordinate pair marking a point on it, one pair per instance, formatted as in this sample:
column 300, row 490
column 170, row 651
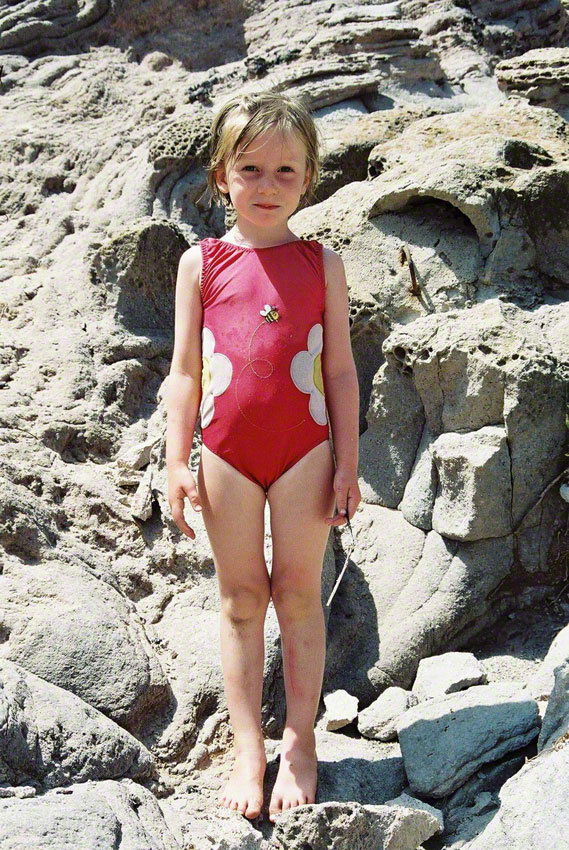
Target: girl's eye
column 286, row 168
column 249, row 168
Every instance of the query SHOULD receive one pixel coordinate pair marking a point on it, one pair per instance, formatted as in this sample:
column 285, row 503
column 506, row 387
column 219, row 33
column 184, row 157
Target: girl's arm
column 341, row 388
column 183, row 393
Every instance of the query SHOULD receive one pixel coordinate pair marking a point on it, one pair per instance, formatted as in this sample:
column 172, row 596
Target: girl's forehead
column 273, row 141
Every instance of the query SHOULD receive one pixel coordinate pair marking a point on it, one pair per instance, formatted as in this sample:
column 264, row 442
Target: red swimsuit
column 263, row 402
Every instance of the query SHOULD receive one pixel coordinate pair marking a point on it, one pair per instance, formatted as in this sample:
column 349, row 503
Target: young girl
column 262, row 340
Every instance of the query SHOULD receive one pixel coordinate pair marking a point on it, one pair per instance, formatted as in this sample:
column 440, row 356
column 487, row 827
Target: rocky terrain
column 445, row 187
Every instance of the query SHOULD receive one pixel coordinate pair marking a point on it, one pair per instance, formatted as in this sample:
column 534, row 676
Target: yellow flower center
column 206, row 374
column 317, row 377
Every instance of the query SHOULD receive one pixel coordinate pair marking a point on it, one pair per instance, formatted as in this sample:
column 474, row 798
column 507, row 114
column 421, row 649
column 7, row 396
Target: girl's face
column 266, row 181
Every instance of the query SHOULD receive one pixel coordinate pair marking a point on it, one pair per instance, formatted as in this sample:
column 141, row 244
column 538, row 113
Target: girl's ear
column 221, row 179
column 307, row 179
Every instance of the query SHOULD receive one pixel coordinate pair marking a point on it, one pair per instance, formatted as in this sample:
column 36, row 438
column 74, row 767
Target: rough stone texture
column 555, row 724
column 349, row 826
column 528, row 817
column 379, row 719
column 50, row 736
column 540, row 75
column 406, row 596
column 445, row 740
column 105, row 111
column 446, row 674
column 388, row 447
column 341, row 709
column 506, row 366
column 94, row 647
column 90, row 816
column 475, row 486
column 421, row 488
column 541, row 683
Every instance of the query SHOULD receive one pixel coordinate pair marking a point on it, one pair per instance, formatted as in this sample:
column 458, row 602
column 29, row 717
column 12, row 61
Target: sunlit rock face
column 445, row 188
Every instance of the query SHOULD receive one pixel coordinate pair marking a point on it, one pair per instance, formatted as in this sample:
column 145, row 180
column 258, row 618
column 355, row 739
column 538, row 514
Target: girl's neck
column 249, row 237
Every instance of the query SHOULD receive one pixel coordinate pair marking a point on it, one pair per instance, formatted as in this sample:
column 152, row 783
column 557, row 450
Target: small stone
column 378, row 720
column 341, row 709
column 446, row 674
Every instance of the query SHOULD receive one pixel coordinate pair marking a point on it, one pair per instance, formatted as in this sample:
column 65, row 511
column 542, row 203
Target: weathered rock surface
column 350, row 826
column 475, row 496
column 421, row 488
column 379, row 719
column 533, row 807
column 541, row 683
column 341, row 709
column 407, row 595
column 90, row 815
column 446, row 674
column 555, row 724
column 52, row 737
column 106, row 109
column 541, row 75
column 94, row 647
column 445, row 740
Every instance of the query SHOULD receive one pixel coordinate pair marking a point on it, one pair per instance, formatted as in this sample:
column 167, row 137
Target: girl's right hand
column 181, row 485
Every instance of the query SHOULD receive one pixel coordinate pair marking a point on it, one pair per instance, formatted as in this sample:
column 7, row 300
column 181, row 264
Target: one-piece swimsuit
column 263, row 406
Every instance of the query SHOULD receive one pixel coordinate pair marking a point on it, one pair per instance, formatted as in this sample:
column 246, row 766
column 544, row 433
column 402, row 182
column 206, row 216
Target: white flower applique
column 306, row 374
column 216, row 376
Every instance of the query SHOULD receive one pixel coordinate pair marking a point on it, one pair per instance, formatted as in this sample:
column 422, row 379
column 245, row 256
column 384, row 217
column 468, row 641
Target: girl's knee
column 242, row 604
column 294, row 600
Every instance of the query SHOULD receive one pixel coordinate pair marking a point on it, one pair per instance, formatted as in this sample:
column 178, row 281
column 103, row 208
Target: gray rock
column 357, row 769
column 388, row 447
column 341, row 709
column 79, row 633
column 350, row 826
column 410, row 802
column 51, row 736
column 379, row 719
column 404, row 597
column 541, row 683
column 445, row 740
column 447, row 673
column 540, row 75
column 533, row 807
column 555, row 724
column 421, row 488
column 474, row 497
column 90, row 816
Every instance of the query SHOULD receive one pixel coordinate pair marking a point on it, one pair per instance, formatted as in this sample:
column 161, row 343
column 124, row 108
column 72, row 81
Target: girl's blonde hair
column 242, row 118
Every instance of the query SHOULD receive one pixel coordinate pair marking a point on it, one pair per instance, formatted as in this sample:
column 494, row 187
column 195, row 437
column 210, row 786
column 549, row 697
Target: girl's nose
column 266, row 183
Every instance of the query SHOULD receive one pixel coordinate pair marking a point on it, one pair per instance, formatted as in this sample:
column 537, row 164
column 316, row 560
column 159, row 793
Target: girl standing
column 262, row 348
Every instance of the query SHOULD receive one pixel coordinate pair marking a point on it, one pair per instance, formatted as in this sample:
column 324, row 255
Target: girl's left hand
column 348, row 496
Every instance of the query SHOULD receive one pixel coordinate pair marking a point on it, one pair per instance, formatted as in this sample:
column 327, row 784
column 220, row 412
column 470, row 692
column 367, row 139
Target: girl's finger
column 178, row 517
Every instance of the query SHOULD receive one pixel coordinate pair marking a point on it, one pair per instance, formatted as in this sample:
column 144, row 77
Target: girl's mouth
column 267, row 206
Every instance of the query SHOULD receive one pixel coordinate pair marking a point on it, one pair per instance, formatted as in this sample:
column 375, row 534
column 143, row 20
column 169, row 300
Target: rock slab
column 350, row 826
column 445, row 740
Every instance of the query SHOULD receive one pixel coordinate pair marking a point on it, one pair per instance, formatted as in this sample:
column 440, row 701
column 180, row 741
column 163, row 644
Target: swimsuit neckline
column 265, row 248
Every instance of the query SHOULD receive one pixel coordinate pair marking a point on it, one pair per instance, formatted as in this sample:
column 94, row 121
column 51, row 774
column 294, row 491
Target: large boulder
column 533, row 806
column 77, row 632
column 407, row 595
column 90, row 816
column 50, row 736
column 446, row 739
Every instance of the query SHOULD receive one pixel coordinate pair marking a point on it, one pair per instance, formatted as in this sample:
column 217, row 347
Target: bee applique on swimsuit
column 263, row 405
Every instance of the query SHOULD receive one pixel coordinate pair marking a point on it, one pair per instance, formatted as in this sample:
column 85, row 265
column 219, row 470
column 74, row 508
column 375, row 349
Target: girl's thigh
column 233, row 513
column 300, row 500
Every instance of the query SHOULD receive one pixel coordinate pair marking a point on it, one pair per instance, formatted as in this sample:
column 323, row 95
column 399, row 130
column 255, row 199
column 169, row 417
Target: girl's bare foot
column 243, row 791
column 297, row 777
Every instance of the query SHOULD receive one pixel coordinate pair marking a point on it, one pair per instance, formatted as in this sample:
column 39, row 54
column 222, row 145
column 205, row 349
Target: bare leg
column 300, row 500
column 233, row 512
